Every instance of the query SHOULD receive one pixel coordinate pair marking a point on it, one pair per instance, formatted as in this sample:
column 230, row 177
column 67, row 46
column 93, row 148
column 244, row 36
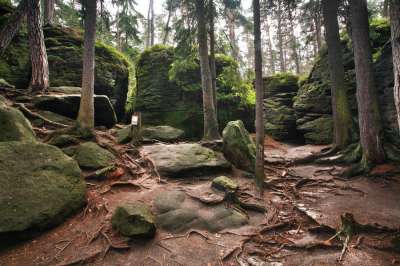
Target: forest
column 200, row 132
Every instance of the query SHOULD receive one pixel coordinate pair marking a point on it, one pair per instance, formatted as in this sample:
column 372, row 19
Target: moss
column 91, row 156
column 14, row 126
column 224, row 183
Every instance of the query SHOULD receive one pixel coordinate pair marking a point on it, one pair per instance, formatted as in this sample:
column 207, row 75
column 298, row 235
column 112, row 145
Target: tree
column 86, row 109
column 259, row 167
column 40, row 67
column 49, row 11
column 210, row 118
column 12, row 26
column 280, row 37
column 340, row 105
column 150, row 24
column 395, row 30
column 212, row 54
column 369, row 117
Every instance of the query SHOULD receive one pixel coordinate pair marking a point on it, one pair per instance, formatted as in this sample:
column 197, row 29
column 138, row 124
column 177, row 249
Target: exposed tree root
column 32, row 114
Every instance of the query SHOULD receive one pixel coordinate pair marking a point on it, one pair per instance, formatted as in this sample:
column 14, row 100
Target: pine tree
column 395, row 30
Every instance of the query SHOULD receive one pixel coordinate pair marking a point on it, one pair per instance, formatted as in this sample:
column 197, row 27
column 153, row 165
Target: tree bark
column 86, row 109
column 212, row 55
column 49, row 11
column 210, row 118
column 152, row 23
column 12, row 26
column 230, row 16
column 294, row 43
column 340, row 105
column 259, row 167
column 280, row 39
column 368, row 106
column 40, row 66
column 166, row 34
column 395, row 30
column 385, row 10
column 271, row 56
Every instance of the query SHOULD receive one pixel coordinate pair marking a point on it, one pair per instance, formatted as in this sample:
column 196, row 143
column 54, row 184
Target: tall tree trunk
column 395, row 29
column 40, row 66
column 86, row 109
column 385, row 10
column 49, row 11
column 368, row 106
column 342, row 120
column 280, row 38
column 212, row 55
column 259, row 167
column 166, row 33
column 152, row 23
column 230, row 16
column 12, row 26
column 148, row 37
column 293, row 42
column 271, row 55
column 210, row 118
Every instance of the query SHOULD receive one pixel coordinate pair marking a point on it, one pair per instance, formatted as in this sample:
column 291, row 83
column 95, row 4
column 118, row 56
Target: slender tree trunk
column 259, row 167
column 271, row 57
column 165, row 39
column 210, row 118
column 385, row 10
column 318, row 34
column 86, row 109
column 232, row 33
column 294, row 43
column 152, row 23
column 280, row 39
column 368, row 106
column 148, row 37
column 395, row 29
column 49, row 11
column 40, row 66
column 212, row 55
column 340, row 105
column 12, row 26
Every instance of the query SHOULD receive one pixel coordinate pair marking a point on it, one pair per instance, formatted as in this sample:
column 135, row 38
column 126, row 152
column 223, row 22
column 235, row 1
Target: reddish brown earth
column 303, row 202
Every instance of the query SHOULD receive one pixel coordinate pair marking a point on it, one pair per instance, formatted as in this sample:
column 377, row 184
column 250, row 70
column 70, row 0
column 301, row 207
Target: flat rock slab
column 372, row 202
column 180, row 160
column 287, row 153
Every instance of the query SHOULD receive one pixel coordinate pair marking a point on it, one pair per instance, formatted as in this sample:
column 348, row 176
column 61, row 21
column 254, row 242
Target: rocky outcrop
column 181, row 160
column 169, row 92
column 68, row 105
column 13, row 125
column 40, row 187
column 64, row 51
column 134, row 220
column 280, row 118
column 238, row 147
column 162, row 133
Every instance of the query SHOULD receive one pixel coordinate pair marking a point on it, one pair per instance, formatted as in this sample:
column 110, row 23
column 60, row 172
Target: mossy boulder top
column 238, row 146
column 181, row 160
column 90, row 156
column 14, row 125
column 39, row 186
column 224, row 183
column 64, row 51
column 162, row 133
column 134, row 220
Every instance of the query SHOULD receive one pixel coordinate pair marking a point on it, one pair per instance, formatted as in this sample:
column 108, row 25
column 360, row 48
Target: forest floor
column 304, row 204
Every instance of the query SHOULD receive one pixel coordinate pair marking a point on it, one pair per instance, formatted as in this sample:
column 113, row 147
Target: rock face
column 175, row 212
column 68, row 105
column 91, row 156
column 40, row 186
column 169, row 92
column 134, row 220
column 64, row 51
column 280, row 118
column 238, row 146
column 13, row 125
column 179, row 160
column 162, row 133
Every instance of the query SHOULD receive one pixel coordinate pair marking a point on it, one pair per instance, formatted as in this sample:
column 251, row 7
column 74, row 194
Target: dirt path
column 303, row 204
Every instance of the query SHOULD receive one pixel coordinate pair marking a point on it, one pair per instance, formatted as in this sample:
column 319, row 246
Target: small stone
column 63, row 140
column 134, row 220
column 89, row 155
column 224, row 183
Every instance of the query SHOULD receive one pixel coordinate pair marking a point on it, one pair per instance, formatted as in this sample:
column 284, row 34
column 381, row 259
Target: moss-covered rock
column 181, row 160
column 40, row 186
column 134, row 220
column 238, row 146
column 13, row 125
column 91, row 156
column 280, row 118
column 224, row 183
column 319, row 130
column 63, row 140
column 162, row 133
column 64, row 51
column 68, row 105
column 169, row 92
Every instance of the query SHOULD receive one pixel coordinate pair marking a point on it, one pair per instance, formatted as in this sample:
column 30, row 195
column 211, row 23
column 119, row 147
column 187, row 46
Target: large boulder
column 91, row 156
column 13, row 125
column 68, row 105
column 169, row 91
column 64, row 50
column 134, row 220
column 180, row 160
column 162, row 133
column 39, row 187
column 238, row 146
column 280, row 118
